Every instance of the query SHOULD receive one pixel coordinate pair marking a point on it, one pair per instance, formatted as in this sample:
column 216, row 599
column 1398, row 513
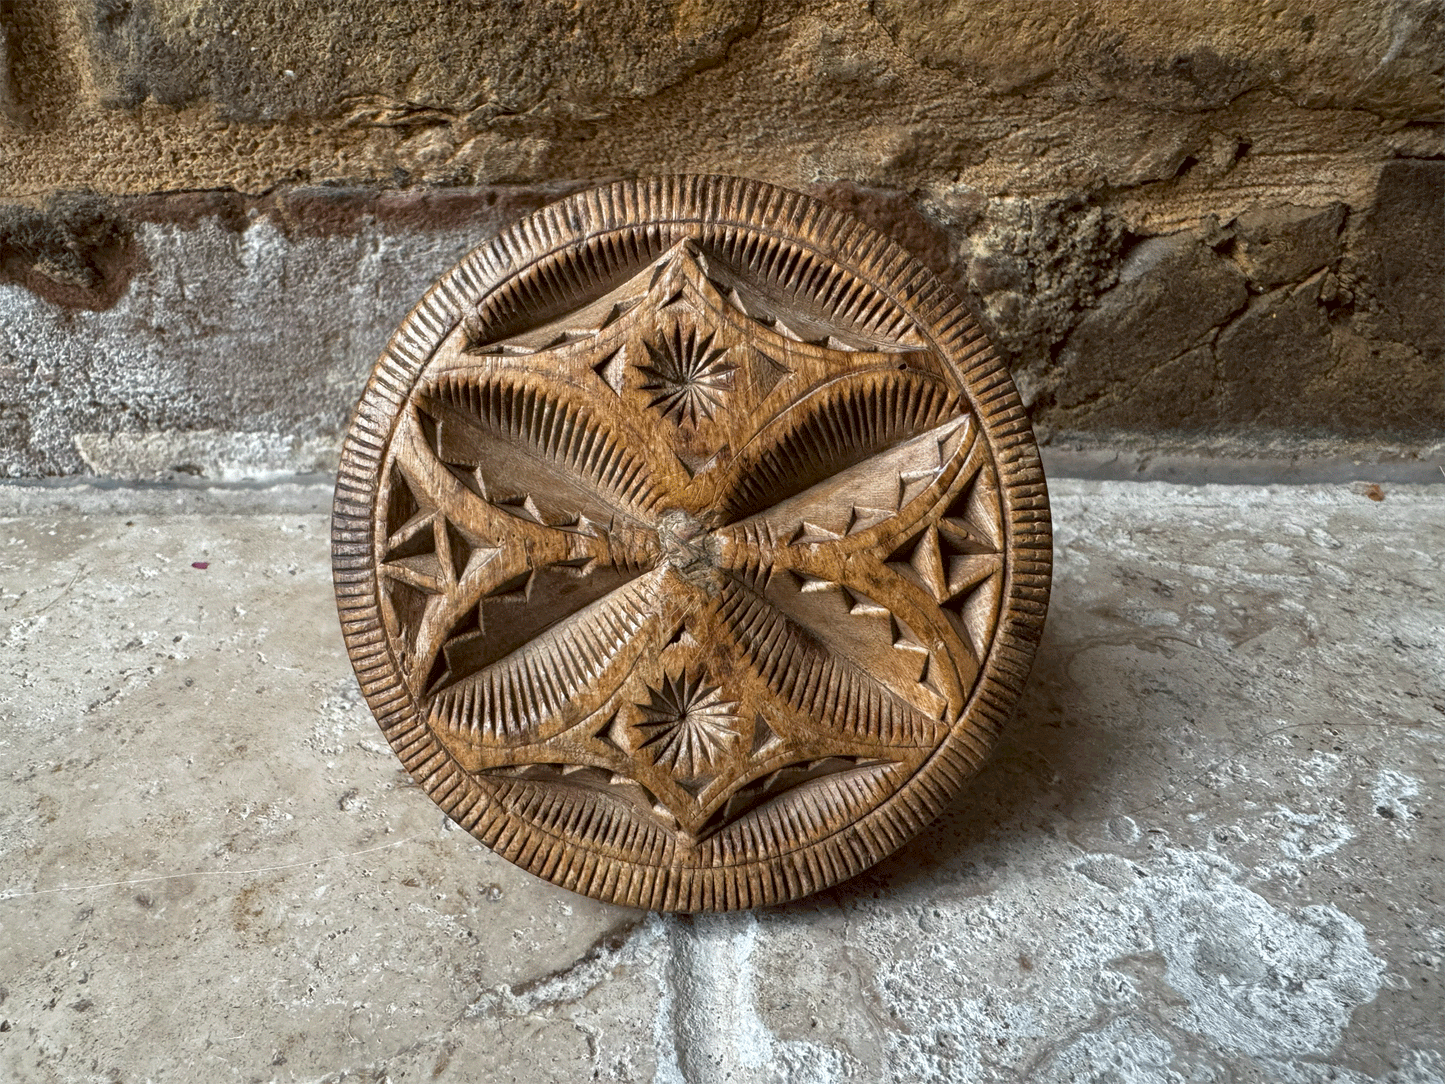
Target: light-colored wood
column 691, row 544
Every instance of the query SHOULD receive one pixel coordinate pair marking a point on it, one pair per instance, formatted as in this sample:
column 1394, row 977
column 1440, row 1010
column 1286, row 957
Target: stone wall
column 1212, row 227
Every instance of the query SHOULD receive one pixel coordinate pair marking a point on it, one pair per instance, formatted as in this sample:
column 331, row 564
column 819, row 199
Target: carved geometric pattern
column 687, row 376
column 687, row 725
column 684, row 564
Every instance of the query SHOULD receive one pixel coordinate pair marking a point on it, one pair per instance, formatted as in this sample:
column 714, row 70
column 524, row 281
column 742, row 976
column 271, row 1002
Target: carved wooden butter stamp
column 691, row 544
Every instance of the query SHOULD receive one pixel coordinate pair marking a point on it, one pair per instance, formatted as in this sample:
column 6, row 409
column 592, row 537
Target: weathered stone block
column 1283, row 244
column 1379, row 391
column 1398, row 267
column 238, row 345
column 9, row 113
column 142, row 338
column 411, row 66
column 1172, row 292
column 1274, row 361
column 1334, row 55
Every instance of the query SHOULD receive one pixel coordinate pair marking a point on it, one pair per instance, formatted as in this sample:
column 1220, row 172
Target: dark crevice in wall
column 76, row 251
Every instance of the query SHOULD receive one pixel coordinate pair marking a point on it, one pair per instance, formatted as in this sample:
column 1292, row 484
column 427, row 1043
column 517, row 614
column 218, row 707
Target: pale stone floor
column 1209, row 849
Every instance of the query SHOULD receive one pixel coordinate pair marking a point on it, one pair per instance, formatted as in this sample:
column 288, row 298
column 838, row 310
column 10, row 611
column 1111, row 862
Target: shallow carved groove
column 690, row 545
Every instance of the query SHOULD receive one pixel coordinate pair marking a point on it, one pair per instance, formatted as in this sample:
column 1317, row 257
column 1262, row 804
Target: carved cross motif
column 700, row 581
column 686, row 559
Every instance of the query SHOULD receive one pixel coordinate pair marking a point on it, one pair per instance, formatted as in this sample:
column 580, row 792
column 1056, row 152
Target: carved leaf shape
column 532, row 441
column 793, row 816
column 837, row 426
column 816, row 682
column 557, row 678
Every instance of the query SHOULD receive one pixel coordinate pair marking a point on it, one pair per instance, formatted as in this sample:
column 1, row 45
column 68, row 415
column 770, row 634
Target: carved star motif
column 687, row 724
column 688, row 376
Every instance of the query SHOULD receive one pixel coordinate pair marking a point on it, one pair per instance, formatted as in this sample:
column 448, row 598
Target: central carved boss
column 686, row 545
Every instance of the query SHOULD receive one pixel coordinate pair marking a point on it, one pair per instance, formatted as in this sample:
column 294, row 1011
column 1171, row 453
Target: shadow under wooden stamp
column 691, row 544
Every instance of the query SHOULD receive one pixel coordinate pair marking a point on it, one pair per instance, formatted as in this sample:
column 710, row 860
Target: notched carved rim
column 622, row 226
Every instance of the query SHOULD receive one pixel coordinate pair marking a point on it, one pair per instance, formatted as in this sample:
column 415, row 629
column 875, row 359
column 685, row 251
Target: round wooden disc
column 691, row 544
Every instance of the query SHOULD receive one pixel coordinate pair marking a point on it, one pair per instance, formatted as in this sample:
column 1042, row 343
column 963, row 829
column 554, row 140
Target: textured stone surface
column 1399, row 266
column 1173, row 292
column 418, row 66
column 219, row 336
column 76, row 253
column 1272, row 356
column 1322, row 55
column 168, row 94
column 8, row 111
column 1276, row 245
column 1026, row 150
column 238, row 348
column 1270, row 324
column 1207, row 850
